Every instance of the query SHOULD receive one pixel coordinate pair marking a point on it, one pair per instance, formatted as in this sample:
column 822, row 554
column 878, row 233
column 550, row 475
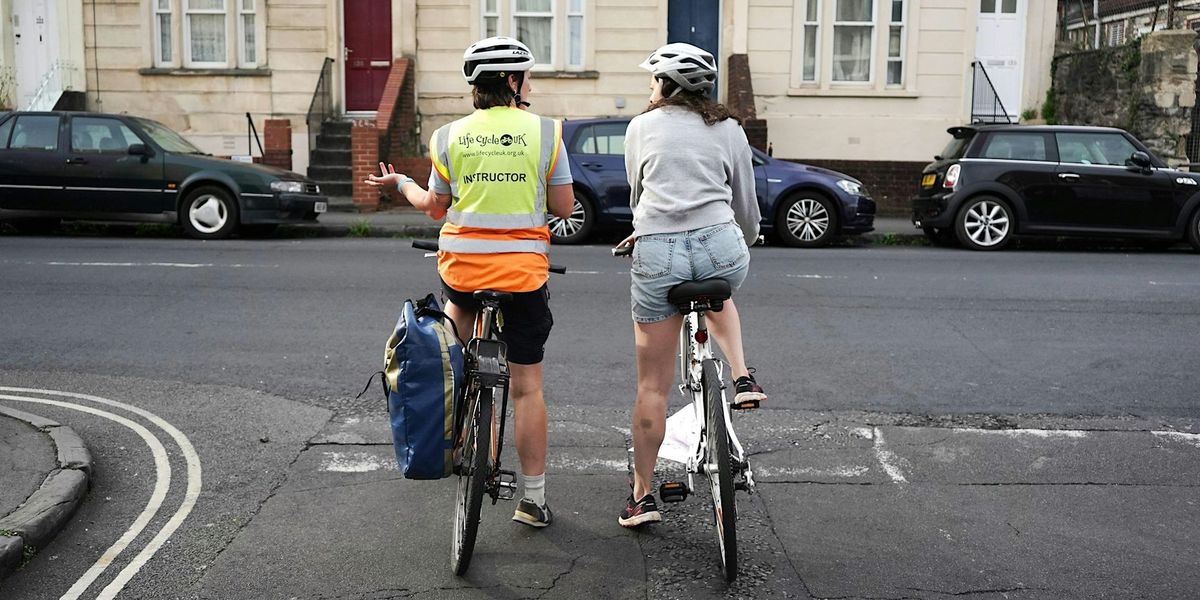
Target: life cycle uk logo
column 485, row 140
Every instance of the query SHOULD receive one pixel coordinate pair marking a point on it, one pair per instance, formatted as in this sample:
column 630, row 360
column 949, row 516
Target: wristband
column 406, row 179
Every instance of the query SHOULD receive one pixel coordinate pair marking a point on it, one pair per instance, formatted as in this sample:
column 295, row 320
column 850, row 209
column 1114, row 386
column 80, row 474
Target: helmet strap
column 520, row 77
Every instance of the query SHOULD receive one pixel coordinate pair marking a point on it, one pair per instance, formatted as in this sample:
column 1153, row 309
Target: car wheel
column 806, row 220
column 940, row 236
column 1194, row 230
column 985, row 223
column 209, row 213
column 575, row 228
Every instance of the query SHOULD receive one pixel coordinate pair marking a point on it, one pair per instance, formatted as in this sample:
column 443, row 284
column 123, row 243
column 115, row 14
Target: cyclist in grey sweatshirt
column 694, row 215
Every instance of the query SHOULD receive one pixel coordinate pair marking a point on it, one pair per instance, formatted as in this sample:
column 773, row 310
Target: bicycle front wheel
column 719, row 467
column 472, row 480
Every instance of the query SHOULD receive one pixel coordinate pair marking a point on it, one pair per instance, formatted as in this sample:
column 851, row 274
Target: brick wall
column 890, row 183
column 741, row 100
column 364, row 160
column 277, row 143
column 397, row 116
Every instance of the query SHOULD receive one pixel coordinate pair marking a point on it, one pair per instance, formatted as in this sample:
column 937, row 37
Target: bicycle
column 479, row 439
column 718, row 455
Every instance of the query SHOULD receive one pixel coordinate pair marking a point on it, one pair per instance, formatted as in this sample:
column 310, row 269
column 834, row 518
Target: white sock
column 535, row 488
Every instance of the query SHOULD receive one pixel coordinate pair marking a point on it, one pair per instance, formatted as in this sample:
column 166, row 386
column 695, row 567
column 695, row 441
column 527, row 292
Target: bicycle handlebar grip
column 424, row 245
column 558, row 269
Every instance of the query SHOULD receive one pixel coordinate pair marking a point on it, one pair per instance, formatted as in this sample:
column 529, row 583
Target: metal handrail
column 50, row 89
column 320, row 109
column 983, row 95
column 251, row 129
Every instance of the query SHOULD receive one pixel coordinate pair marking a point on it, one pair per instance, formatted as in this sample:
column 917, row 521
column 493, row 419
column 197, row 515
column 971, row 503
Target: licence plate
column 928, row 180
column 320, row 207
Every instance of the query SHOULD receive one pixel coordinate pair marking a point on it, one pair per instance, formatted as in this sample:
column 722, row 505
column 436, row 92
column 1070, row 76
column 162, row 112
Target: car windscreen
column 166, row 138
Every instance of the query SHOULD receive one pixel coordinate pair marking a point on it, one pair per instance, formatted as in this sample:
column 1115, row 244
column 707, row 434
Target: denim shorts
column 664, row 260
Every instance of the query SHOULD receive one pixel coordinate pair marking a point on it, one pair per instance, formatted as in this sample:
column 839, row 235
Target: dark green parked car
column 93, row 166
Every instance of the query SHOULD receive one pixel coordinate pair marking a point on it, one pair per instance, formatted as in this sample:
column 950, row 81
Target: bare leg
column 656, row 356
column 529, row 412
column 464, row 321
column 726, row 328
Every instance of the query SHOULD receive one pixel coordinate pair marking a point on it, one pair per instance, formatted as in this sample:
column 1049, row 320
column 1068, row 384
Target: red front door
column 368, row 38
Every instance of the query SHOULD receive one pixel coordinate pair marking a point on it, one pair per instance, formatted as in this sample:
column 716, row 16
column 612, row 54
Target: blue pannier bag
column 422, row 375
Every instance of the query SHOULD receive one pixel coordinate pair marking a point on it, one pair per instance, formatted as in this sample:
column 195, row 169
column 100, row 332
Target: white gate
column 1000, row 48
column 35, row 45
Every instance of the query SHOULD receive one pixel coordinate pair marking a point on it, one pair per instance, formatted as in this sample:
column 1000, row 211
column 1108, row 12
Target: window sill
column 564, row 74
column 853, row 93
column 205, row 72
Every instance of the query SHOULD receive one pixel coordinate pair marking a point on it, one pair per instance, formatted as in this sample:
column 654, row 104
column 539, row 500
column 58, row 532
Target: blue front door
column 696, row 22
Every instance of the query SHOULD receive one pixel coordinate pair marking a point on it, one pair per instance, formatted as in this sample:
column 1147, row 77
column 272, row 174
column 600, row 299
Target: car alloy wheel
column 1194, row 230
column 807, row 221
column 575, row 228
column 985, row 224
column 209, row 213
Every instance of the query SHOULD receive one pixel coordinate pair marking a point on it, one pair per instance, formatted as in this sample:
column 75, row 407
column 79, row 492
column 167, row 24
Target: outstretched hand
column 389, row 178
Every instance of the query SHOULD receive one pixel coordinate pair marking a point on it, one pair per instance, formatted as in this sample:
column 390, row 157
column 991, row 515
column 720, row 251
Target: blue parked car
column 801, row 205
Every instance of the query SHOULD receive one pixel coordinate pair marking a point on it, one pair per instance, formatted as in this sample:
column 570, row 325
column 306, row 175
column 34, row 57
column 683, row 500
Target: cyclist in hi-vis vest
column 495, row 174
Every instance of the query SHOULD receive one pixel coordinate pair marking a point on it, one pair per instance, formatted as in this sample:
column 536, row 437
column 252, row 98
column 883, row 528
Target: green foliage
column 1050, row 108
column 359, row 228
column 1029, row 114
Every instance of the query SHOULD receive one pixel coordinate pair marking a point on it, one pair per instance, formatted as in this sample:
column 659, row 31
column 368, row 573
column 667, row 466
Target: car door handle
column 76, row 160
column 593, row 166
column 1068, row 176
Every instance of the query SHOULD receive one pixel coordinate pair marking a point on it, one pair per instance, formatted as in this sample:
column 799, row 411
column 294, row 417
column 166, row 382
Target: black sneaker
column 642, row 511
column 748, row 389
column 529, row 513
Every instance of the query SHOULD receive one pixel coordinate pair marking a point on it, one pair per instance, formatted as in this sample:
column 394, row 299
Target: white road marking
column 854, row 471
column 887, row 459
column 809, row 276
column 162, row 483
column 1042, row 433
column 587, row 464
column 1178, row 436
column 151, row 264
column 355, row 462
column 1176, row 283
column 194, row 483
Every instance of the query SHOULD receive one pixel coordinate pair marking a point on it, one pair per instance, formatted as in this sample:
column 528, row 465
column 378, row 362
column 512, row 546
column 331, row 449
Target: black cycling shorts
column 526, row 321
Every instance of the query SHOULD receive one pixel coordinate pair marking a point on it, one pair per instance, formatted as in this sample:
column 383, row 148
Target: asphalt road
column 1012, row 425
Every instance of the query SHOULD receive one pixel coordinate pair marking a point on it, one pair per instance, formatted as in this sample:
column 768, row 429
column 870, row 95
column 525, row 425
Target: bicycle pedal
column 746, row 405
column 673, row 491
column 506, row 485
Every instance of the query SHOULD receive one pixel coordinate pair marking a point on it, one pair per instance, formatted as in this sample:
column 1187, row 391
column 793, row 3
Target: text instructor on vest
column 495, row 172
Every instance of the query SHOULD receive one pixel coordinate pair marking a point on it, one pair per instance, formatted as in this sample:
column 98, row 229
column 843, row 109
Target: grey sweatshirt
column 684, row 174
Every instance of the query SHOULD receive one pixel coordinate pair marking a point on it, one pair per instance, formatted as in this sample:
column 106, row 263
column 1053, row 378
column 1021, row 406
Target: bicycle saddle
column 484, row 295
column 712, row 290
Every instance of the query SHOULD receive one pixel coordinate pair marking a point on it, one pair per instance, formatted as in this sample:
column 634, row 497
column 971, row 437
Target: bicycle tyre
column 721, row 482
column 472, row 482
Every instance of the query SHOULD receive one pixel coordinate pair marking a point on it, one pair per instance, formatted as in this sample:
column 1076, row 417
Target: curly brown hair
column 698, row 102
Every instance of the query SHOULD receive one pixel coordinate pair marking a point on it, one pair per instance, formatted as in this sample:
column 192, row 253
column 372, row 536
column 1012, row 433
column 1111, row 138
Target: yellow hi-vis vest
column 498, row 162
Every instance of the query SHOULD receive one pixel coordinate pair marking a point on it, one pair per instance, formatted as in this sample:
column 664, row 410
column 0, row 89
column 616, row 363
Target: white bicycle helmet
column 497, row 56
column 689, row 67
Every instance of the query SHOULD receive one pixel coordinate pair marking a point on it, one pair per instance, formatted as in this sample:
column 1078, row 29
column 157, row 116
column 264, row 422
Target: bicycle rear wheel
column 718, row 458
column 472, row 481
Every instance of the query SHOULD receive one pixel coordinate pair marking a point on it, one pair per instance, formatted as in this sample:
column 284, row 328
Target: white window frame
column 802, row 43
column 902, row 57
column 555, row 34
column 173, row 28
column 186, row 24
column 240, row 45
column 485, row 14
column 581, row 14
column 560, row 16
column 874, row 27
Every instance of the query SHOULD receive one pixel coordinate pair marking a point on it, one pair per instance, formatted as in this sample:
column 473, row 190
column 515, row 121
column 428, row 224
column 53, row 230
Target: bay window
column 206, row 34
column 849, row 45
column 554, row 30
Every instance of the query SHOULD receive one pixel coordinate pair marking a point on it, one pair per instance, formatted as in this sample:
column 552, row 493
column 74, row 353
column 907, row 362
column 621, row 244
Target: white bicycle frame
column 692, row 354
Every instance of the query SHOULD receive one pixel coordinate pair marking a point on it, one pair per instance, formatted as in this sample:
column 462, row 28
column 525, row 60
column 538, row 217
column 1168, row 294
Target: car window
column 1094, row 148
column 957, row 146
column 605, row 138
column 5, row 130
column 1015, row 146
column 166, row 138
column 92, row 134
column 35, row 132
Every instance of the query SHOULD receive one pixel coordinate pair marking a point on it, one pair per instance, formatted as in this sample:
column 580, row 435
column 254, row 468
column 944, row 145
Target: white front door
column 35, row 45
column 1000, row 48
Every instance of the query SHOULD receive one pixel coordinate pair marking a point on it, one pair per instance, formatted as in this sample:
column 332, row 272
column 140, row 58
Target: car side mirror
column 1141, row 159
column 139, row 150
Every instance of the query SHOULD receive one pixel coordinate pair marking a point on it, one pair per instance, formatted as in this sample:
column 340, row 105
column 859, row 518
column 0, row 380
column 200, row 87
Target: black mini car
column 66, row 165
column 996, row 181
